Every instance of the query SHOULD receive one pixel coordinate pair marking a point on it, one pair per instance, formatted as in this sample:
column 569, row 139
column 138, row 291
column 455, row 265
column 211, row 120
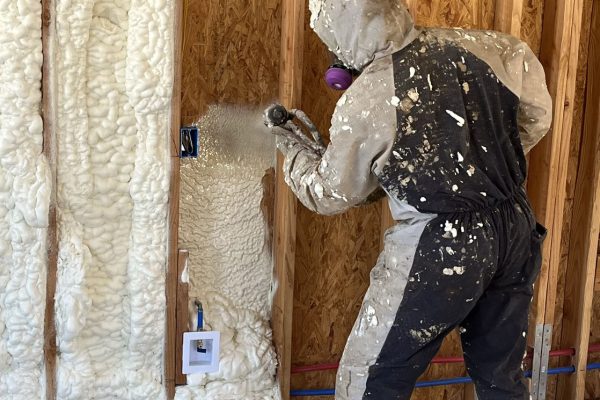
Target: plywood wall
column 231, row 54
column 335, row 255
column 473, row 14
column 531, row 23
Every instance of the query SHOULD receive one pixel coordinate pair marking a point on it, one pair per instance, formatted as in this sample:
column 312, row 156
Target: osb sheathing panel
column 531, row 23
column 334, row 255
column 230, row 54
column 477, row 14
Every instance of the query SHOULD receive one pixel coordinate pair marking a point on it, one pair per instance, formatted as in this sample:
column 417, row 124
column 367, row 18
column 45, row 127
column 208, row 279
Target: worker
column 441, row 120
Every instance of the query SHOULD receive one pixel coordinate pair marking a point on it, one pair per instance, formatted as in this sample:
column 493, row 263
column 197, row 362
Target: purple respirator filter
column 338, row 78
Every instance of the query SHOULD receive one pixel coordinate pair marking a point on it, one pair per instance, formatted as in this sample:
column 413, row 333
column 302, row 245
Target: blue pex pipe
column 315, row 392
column 331, row 392
column 593, row 366
column 444, row 382
column 562, row 370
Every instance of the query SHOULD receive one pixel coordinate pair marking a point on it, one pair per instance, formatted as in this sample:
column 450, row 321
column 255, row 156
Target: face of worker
column 357, row 30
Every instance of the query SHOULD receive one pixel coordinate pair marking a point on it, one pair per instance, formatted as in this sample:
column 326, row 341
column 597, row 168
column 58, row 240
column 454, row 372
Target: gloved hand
column 281, row 122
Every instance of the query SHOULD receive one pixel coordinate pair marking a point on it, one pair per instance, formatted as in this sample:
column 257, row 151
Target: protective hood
column 359, row 31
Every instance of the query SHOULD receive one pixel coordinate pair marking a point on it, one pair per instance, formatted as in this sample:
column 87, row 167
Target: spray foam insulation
column 223, row 225
column 24, row 202
column 112, row 74
column 113, row 68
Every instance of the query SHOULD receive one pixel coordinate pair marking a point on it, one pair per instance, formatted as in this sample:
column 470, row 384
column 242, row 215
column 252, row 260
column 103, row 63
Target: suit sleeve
column 362, row 135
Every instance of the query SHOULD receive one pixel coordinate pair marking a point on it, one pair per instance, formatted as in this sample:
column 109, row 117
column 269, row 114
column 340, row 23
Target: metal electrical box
column 188, row 142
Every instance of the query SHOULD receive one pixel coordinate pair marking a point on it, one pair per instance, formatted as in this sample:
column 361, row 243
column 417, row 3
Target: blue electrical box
column 188, row 142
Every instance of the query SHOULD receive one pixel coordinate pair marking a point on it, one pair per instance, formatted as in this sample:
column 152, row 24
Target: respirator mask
column 338, row 76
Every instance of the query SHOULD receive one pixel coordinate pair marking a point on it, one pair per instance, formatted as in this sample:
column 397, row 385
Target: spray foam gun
column 200, row 326
column 277, row 115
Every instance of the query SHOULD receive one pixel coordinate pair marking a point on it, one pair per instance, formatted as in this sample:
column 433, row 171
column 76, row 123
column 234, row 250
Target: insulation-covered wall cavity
column 113, row 70
column 224, row 225
column 24, row 201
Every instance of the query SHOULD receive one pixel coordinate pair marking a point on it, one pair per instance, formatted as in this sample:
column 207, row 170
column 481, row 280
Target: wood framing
column 560, row 47
column 52, row 241
column 597, row 286
column 174, row 183
column 508, row 16
column 290, row 94
column 181, row 314
column 549, row 160
column 585, row 230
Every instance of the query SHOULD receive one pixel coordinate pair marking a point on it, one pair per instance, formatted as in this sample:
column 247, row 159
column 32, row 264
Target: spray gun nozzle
column 277, row 115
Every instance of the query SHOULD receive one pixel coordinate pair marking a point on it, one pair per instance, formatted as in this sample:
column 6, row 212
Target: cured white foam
column 247, row 364
column 24, row 202
column 230, row 265
column 113, row 66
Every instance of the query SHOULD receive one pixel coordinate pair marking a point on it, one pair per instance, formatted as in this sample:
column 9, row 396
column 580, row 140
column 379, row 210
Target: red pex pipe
column 593, row 348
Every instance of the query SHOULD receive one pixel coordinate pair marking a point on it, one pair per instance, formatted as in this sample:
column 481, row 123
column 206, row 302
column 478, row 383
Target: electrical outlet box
column 207, row 360
column 188, row 142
